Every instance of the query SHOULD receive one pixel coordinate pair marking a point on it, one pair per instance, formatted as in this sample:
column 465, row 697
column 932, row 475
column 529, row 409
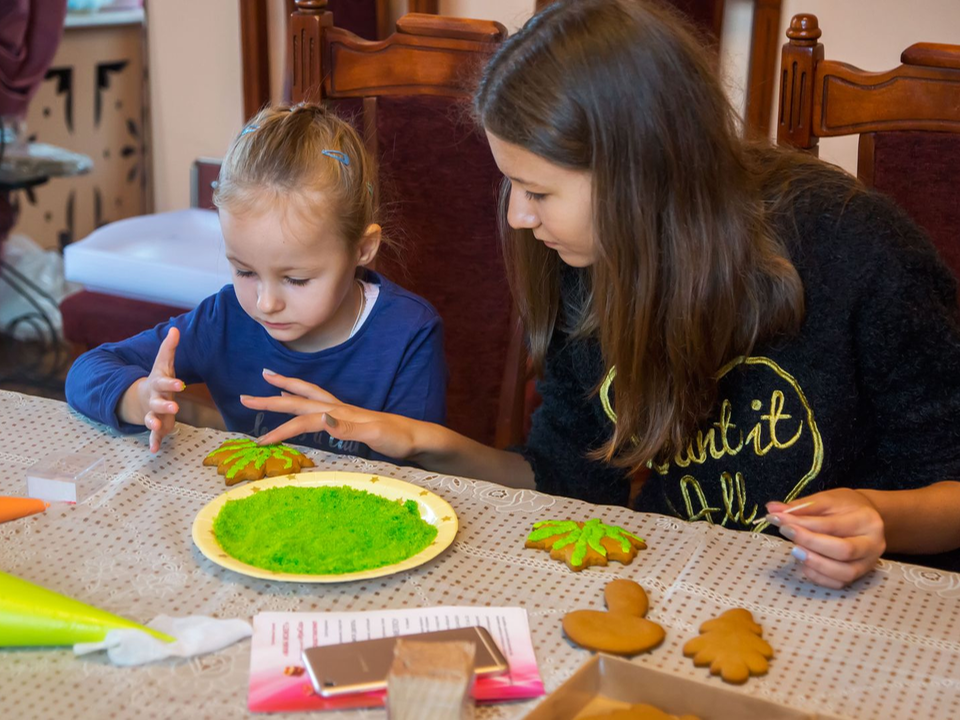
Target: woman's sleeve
column 99, row 378
column 566, row 427
column 907, row 334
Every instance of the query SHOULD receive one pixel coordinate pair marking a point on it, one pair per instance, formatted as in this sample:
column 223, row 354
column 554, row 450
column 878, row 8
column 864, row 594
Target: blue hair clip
column 249, row 129
column 337, row 155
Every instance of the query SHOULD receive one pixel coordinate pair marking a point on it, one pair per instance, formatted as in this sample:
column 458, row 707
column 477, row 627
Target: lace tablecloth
column 889, row 647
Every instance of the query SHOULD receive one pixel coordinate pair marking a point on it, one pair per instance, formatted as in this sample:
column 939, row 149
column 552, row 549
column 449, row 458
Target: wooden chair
column 369, row 19
column 438, row 185
column 908, row 120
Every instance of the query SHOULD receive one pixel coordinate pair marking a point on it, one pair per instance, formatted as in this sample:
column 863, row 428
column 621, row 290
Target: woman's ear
column 369, row 244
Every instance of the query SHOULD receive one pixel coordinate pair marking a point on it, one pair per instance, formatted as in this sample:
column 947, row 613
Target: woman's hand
column 385, row 433
column 150, row 400
column 839, row 537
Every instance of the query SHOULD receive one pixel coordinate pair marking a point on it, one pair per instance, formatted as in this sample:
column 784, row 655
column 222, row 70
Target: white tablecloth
column 888, row 647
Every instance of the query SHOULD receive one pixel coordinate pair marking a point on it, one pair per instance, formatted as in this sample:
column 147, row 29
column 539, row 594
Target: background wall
column 196, row 98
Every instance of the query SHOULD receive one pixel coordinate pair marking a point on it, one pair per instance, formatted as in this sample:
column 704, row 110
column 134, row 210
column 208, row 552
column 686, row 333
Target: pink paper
column 279, row 682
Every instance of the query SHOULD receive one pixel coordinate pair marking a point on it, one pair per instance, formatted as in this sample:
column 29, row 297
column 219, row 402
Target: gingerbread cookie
column 622, row 629
column 242, row 459
column 732, row 646
column 582, row 544
column 640, row 711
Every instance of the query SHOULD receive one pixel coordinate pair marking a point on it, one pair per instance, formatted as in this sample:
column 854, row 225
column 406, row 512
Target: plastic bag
column 39, row 274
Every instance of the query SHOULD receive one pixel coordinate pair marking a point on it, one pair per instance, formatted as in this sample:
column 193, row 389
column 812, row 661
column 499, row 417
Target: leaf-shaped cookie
column 242, row 459
column 732, row 646
column 582, row 544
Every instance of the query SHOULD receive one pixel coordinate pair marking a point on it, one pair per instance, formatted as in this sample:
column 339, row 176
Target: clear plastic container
column 66, row 477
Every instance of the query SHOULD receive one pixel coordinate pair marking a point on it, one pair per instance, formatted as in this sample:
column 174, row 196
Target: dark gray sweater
column 866, row 395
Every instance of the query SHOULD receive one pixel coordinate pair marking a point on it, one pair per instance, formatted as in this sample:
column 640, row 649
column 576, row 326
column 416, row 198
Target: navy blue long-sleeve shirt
column 394, row 363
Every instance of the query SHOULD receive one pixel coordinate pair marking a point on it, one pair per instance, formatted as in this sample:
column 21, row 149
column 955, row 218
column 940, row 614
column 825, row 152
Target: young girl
column 297, row 213
column 751, row 329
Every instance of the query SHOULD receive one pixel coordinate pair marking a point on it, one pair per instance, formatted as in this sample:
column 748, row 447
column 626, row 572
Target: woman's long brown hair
column 690, row 271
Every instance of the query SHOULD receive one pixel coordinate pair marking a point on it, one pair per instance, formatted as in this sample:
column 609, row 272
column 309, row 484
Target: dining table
column 887, row 646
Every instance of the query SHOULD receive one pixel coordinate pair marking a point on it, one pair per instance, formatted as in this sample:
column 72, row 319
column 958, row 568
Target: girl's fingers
column 288, row 404
column 163, row 406
column 338, row 428
column 844, row 549
column 159, row 425
column 343, row 429
column 154, row 425
column 299, row 425
column 163, row 364
column 821, row 579
column 846, row 524
column 169, row 385
column 839, row 572
column 299, row 387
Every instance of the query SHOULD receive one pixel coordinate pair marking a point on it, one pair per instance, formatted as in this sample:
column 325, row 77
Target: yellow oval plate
column 433, row 509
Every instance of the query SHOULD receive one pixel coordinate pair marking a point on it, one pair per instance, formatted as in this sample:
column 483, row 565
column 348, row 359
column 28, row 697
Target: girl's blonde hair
column 301, row 151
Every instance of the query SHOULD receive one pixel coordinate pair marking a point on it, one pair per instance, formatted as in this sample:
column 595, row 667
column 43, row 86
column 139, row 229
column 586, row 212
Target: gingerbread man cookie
column 622, row 629
column 582, row 544
column 732, row 646
column 242, row 459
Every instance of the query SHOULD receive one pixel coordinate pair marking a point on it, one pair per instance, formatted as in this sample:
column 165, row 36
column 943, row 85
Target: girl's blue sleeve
column 419, row 389
column 98, row 379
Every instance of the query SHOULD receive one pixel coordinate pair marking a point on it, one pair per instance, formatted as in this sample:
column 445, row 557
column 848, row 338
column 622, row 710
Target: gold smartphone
column 363, row 666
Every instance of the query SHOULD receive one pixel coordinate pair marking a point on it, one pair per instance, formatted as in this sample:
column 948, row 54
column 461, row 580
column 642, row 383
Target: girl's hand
column 385, row 433
column 838, row 538
column 150, row 399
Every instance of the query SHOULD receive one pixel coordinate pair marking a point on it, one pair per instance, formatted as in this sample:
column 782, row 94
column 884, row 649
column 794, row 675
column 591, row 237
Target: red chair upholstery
column 361, row 17
column 441, row 206
column 921, row 171
column 437, row 187
column 908, row 120
column 93, row 318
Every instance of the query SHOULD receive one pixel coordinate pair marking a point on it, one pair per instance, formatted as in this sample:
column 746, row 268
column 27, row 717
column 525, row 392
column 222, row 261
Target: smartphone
column 363, row 666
